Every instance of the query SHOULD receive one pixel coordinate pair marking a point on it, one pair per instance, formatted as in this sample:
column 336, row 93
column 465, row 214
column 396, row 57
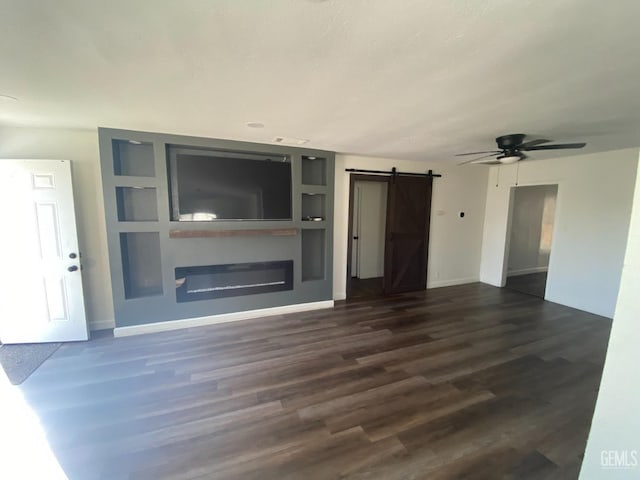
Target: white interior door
column 41, row 296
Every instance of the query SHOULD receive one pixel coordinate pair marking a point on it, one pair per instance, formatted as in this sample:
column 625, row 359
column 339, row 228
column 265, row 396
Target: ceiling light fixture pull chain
column 498, row 176
column 517, row 173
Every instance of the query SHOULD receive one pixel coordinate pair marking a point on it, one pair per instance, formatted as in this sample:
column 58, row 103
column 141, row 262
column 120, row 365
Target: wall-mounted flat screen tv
column 212, row 185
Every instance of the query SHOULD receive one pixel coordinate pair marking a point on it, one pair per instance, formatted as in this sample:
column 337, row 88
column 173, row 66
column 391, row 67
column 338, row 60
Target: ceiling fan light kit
column 507, row 159
column 511, row 148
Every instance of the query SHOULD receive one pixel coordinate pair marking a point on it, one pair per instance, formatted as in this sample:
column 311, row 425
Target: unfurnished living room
column 319, row 239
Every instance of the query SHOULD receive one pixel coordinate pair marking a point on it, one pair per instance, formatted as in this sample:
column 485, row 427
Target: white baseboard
column 102, row 325
column 451, row 283
column 339, row 296
column 222, row 318
column 526, row 271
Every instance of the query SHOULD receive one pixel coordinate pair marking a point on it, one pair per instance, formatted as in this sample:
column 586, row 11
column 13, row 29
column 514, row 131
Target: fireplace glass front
column 232, row 280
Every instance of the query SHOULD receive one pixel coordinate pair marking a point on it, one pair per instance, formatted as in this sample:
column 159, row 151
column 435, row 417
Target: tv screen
column 212, row 185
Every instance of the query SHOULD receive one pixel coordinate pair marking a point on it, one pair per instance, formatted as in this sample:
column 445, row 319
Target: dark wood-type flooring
column 460, row 382
column 531, row 283
column 366, row 287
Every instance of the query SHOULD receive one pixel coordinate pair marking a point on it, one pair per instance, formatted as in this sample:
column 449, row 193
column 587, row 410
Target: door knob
column 73, row 255
column 73, row 268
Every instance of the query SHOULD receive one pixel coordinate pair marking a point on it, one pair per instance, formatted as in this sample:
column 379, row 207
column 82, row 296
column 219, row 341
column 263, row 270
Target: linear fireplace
column 232, row 280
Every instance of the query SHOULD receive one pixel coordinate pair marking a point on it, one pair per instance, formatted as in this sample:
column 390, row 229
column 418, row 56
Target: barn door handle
column 355, row 238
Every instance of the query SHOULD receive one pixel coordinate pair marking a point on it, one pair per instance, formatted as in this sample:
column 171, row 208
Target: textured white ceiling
column 410, row 79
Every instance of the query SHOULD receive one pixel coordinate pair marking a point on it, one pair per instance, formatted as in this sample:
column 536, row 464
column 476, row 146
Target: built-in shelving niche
column 133, row 159
column 136, row 204
column 313, row 261
column 141, row 264
column 314, row 170
column 313, row 206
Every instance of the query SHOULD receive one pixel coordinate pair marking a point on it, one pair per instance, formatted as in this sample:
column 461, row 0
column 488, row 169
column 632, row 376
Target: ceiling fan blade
column 487, row 162
column 560, row 146
column 532, row 143
column 477, row 160
column 476, row 153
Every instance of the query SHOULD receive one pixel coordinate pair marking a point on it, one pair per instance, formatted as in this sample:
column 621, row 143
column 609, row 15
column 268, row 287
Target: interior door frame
column 507, row 241
column 353, row 178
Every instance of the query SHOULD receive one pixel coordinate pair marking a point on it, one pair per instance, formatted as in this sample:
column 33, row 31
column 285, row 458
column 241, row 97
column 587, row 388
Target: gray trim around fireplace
column 143, row 256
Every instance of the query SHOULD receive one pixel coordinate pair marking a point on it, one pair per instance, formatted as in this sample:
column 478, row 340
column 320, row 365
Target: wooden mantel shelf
column 274, row 232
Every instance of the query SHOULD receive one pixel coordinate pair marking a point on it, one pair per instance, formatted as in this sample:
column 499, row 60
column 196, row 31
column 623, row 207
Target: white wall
column 454, row 244
column 592, row 221
column 616, row 423
column 370, row 228
column 81, row 147
column 525, row 252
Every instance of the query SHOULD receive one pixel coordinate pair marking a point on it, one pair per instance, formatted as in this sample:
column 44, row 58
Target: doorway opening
column 388, row 234
column 368, row 226
column 533, row 210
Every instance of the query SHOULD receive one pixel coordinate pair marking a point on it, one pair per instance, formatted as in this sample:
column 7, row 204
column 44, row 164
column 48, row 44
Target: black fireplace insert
column 232, row 280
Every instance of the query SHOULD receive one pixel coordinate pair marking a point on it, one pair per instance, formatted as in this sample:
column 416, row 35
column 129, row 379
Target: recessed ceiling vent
column 290, row 140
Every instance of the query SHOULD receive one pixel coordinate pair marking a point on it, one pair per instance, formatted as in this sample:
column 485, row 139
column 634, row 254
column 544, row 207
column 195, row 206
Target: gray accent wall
column 143, row 258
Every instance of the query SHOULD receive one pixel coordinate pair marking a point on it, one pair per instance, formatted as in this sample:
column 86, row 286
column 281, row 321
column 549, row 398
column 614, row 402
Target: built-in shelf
column 136, row 204
column 314, row 170
column 275, row 232
column 141, row 264
column 149, row 242
column 133, row 159
column 313, row 254
column 313, row 206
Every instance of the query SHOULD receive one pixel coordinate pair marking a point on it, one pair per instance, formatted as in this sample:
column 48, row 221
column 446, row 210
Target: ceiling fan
column 511, row 148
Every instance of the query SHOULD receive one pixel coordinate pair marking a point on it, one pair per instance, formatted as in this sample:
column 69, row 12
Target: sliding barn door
column 408, row 215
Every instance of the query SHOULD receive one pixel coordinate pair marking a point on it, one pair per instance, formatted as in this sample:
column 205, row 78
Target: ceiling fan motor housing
column 510, row 142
